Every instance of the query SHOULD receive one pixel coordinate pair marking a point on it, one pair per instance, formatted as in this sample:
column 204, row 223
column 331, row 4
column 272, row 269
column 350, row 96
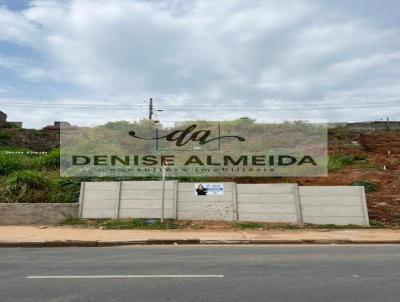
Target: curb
column 105, row 243
column 56, row 243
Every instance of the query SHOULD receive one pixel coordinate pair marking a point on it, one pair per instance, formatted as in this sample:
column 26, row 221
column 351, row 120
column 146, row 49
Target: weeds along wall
column 287, row 203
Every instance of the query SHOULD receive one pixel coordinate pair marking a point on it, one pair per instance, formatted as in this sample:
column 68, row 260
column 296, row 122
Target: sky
column 92, row 61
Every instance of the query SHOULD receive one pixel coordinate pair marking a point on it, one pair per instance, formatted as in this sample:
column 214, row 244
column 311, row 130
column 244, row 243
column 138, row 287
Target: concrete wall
column 244, row 202
column 142, row 199
column 268, row 202
column 206, row 207
column 339, row 205
column 36, row 213
column 133, row 199
column 99, row 199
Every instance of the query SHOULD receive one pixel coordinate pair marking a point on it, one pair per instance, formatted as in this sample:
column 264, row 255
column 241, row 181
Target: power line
column 210, row 102
column 184, row 108
column 309, row 106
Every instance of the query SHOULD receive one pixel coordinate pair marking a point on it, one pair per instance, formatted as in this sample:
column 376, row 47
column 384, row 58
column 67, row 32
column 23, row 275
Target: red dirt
column 381, row 149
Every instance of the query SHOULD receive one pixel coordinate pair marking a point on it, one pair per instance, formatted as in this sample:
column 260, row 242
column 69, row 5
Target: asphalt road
column 201, row 273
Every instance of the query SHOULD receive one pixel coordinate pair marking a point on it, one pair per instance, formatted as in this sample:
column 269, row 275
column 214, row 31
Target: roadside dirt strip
column 34, row 236
column 73, row 243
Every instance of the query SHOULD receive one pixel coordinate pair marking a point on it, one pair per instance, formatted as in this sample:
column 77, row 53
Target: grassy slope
column 354, row 158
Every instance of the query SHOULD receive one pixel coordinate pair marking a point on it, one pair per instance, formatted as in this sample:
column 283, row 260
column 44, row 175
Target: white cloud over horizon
column 211, row 54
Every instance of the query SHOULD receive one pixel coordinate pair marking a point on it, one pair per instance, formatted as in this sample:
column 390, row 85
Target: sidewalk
column 67, row 236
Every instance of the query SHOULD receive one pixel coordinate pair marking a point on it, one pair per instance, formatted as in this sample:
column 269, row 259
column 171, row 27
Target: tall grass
column 24, row 180
column 25, row 186
column 10, row 163
column 50, row 160
column 338, row 161
column 65, row 190
column 368, row 185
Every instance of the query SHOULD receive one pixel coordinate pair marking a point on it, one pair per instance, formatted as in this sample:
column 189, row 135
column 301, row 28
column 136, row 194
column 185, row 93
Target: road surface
column 201, row 273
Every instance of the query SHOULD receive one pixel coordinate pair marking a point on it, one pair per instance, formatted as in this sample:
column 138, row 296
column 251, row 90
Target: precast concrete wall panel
column 99, row 199
column 143, row 199
column 127, row 199
column 287, row 203
column 339, row 205
column 268, row 202
column 206, row 207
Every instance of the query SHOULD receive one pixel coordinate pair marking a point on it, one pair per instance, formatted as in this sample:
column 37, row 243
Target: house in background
column 3, row 119
column 58, row 125
column 7, row 124
column 54, row 130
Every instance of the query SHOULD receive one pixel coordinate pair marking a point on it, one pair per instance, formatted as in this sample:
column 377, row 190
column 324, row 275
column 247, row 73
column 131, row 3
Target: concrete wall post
column 81, row 199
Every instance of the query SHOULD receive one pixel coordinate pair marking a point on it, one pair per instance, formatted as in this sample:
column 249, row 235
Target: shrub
column 65, row 190
column 25, row 180
column 9, row 164
column 249, row 225
column 376, row 224
column 338, row 161
column 339, row 132
column 51, row 160
column 11, row 125
column 4, row 136
column 137, row 223
column 368, row 186
column 18, row 159
column 25, row 186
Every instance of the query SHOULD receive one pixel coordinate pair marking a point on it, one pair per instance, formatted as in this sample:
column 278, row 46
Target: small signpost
column 164, row 172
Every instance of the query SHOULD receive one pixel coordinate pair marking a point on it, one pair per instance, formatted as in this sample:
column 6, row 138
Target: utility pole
column 164, row 173
column 151, row 109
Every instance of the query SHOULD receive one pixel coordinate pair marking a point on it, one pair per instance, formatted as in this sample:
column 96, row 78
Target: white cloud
column 209, row 52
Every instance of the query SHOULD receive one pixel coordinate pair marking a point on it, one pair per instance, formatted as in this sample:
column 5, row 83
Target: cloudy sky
column 93, row 60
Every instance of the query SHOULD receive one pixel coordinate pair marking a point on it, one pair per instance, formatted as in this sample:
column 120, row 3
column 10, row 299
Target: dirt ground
column 21, row 235
column 382, row 150
column 381, row 167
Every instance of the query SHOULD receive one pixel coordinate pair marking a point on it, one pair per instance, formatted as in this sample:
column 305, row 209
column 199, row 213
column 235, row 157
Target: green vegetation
column 339, row 132
column 74, row 221
column 249, row 225
column 122, row 224
column 26, row 186
column 286, row 226
column 24, row 180
column 376, row 224
column 9, row 164
column 11, row 125
column 26, row 176
column 368, row 186
column 333, row 226
column 4, row 136
column 265, row 226
column 338, row 161
column 66, row 190
column 138, row 223
column 154, row 224
column 51, row 160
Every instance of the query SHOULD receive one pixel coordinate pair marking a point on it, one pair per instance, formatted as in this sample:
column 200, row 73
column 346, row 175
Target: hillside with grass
column 29, row 170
